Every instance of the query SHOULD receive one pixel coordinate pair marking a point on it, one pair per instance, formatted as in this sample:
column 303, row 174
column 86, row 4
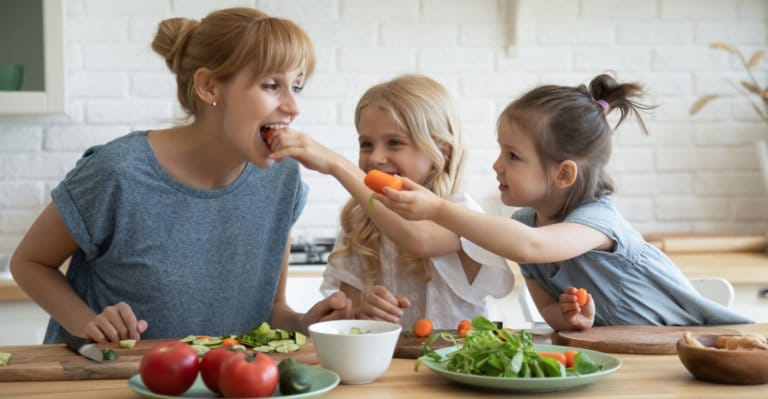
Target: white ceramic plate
column 548, row 384
column 322, row 381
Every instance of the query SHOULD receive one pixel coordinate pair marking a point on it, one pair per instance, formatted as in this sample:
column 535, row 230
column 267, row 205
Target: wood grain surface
column 56, row 362
column 649, row 340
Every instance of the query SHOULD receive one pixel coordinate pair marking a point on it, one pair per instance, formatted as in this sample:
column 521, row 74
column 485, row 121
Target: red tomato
column 169, row 368
column 248, row 375
column 210, row 365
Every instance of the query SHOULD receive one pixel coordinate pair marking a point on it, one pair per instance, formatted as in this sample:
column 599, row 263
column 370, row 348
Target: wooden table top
column 640, row 376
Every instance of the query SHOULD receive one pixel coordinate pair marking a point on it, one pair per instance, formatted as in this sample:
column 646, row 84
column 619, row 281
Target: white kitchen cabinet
column 508, row 310
column 22, row 323
column 32, row 34
column 303, row 288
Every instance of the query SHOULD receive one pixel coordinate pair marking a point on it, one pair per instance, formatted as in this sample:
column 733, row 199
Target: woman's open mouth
column 266, row 133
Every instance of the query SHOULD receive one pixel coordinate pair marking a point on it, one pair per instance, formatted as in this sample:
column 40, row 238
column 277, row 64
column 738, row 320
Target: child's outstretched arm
column 501, row 235
column 418, row 238
column 35, row 267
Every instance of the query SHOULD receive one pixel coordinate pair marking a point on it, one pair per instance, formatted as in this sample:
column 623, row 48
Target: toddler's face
column 522, row 180
column 386, row 147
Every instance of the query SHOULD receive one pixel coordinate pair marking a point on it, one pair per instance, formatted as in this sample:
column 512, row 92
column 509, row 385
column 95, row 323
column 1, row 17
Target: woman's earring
column 213, row 104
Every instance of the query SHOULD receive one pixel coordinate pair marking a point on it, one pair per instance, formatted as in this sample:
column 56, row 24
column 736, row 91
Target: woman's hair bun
column 172, row 38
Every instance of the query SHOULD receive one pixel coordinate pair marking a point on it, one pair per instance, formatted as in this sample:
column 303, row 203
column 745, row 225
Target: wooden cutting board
column 56, row 362
column 651, row 340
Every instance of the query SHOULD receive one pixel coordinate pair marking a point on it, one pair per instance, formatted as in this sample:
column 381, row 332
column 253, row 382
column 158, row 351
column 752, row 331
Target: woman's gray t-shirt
column 633, row 284
column 188, row 261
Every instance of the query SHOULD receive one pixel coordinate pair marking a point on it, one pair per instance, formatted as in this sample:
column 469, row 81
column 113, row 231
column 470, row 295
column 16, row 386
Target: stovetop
column 311, row 252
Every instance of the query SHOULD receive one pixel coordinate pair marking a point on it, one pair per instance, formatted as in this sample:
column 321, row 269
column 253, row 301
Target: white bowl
column 356, row 358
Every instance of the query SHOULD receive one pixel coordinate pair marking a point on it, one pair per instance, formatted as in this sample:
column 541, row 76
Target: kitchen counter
column 640, row 376
column 10, row 292
column 736, row 267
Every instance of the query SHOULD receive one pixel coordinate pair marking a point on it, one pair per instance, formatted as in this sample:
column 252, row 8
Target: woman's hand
column 334, row 307
column 380, row 304
column 579, row 317
column 115, row 323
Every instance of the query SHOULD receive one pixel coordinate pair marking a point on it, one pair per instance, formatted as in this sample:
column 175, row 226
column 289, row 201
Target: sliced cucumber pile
column 262, row 338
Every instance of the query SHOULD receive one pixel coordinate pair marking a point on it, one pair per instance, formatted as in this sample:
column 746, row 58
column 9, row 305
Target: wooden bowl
column 722, row 365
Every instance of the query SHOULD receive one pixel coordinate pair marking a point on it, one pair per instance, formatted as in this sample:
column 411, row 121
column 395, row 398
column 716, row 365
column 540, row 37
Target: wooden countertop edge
column 10, row 292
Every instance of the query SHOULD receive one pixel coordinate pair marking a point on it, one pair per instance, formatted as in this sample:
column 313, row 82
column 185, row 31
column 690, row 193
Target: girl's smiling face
column 248, row 108
column 522, row 180
column 384, row 146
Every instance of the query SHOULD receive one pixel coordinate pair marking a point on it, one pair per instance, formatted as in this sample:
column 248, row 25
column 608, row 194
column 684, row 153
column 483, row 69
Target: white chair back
column 717, row 289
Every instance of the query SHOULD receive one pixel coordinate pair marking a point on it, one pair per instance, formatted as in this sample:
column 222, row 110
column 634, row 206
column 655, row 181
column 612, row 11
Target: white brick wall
column 690, row 174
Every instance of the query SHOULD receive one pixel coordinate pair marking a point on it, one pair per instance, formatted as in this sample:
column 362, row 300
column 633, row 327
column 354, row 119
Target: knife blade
column 84, row 347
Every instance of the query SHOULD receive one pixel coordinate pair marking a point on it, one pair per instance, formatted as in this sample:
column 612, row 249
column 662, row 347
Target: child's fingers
column 383, row 303
column 403, row 302
column 408, row 183
column 373, row 309
column 383, row 293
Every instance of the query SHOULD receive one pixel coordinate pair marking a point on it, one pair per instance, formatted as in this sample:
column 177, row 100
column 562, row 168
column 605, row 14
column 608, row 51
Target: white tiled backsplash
column 691, row 174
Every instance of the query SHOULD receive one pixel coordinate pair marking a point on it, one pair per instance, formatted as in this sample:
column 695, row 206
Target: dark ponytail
column 569, row 123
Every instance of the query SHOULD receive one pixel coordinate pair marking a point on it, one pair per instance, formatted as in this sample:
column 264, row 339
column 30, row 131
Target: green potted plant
column 752, row 90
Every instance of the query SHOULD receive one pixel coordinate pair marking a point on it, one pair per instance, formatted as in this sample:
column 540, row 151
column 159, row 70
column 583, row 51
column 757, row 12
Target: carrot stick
column 376, row 180
column 581, row 296
column 554, row 355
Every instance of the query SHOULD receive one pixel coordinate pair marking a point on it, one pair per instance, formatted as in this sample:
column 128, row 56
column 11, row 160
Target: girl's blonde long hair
column 423, row 108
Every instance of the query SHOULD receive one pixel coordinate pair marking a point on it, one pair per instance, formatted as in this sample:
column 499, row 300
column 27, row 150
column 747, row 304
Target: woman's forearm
column 48, row 287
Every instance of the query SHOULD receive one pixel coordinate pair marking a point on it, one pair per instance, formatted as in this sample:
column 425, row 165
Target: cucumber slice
column 5, row 358
column 300, row 338
column 287, row 348
column 264, row 349
column 188, row 339
column 108, row 354
column 200, row 349
column 281, row 342
column 127, row 343
column 208, row 341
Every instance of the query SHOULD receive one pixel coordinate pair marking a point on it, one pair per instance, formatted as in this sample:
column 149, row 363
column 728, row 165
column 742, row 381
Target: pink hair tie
column 603, row 104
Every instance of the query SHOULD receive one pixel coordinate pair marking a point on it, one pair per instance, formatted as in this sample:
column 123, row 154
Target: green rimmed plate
column 548, row 384
column 322, row 381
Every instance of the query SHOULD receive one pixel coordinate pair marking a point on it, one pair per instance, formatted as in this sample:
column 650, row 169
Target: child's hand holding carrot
column 577, row 307
column 413, row 202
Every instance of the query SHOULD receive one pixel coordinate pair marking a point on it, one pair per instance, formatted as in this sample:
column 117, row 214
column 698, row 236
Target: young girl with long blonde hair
column 394, row 269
